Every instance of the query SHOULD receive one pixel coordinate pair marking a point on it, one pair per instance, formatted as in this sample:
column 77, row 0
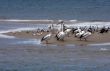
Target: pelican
column 104, row 30
column 77, row 31
column 46, row 37
column 61, row 34
column 67, row 32
column 83, row 35
column 79, row 35
column 86, row 35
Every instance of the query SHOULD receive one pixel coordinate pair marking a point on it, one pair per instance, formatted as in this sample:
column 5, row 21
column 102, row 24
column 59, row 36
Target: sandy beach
column 94, row 38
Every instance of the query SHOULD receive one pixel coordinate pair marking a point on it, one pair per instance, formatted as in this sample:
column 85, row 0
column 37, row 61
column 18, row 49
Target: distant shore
column 94, row 38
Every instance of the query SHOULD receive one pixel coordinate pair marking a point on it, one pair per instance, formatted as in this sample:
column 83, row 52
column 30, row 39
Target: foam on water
column 103, row 49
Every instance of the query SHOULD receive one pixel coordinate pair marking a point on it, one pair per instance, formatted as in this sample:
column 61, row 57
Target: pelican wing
column 46, row 37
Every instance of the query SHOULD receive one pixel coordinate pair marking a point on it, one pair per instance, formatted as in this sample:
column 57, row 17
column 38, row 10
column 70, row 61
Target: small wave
column 100, row 44
column 17, row 30
column 73, row 20
column 97, row 24
column 19, row 20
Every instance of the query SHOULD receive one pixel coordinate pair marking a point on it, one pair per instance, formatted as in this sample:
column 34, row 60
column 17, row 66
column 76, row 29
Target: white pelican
column 86, row 35
column 46, row 38
column 77, row 31
column 79, row 35
column 61, row 34
column 67, row 32
column 83, row 35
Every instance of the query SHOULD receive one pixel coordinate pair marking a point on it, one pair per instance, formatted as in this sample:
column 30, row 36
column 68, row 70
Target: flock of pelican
column 79, row 33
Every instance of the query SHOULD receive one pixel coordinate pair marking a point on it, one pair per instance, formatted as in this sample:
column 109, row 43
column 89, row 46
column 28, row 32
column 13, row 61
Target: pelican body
column 60, row 36
column 68, row 31
column 86, row 35
column 83, row 35
column 46, row 38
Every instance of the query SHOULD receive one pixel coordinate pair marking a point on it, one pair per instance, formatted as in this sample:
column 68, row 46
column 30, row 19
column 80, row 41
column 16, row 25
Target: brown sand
column 94, row 38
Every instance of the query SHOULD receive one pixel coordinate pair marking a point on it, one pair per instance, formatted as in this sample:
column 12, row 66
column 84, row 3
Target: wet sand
column 94, row 38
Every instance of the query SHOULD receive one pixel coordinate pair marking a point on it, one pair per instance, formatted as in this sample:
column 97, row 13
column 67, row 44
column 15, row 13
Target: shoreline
column 93, row 39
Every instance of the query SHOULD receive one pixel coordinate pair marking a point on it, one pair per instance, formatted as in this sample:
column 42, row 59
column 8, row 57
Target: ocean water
column 55, row 9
